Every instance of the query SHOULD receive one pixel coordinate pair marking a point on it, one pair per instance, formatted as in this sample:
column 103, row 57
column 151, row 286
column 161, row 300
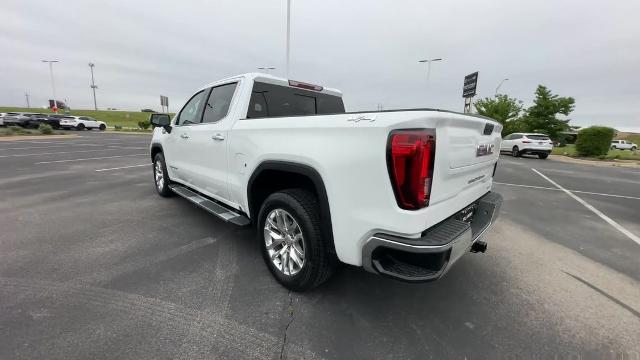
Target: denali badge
column 484, row 149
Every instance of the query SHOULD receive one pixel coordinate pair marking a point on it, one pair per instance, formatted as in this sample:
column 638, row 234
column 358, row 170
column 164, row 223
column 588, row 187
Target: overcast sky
column 368, row 49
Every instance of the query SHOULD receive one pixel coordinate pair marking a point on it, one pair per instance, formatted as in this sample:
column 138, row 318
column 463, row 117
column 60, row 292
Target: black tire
column 102, row 127
column 163, row 189
column 80, row 127
column 515, row 152
column 319, row 264
column 633, row 148
column 543, row 156
column 613, row 148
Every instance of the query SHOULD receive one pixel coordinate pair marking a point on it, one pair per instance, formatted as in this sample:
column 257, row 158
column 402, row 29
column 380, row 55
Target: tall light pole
column 501, row 82
column 429, row 61
column 26, row 96
column 288, row 33
column 93, row 87
column 53, row 85
column 266, row 68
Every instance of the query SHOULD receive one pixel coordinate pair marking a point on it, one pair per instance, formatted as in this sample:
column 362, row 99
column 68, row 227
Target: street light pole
column 429, row 61
column 266, row 68
column 501, row 82
column 288, row 33
column 93, row 87
column 26, row 95
column 53, row 85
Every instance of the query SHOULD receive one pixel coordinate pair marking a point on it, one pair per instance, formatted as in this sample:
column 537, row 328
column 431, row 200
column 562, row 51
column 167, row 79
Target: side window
column 516, row 136
column 191, row 111
column 83, row 118
column 508, row 137
column 218, row 104
column 257, row 106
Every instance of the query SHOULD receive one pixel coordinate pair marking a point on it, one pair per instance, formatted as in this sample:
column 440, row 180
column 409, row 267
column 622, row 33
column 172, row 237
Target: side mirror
column 161, row 120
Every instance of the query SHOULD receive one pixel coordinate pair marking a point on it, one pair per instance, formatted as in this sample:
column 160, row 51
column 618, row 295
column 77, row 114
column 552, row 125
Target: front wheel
column 290, row 237
column 613, row 148
column 161, row 176
column 633, row 148
column 102, row 127
column 515, row 151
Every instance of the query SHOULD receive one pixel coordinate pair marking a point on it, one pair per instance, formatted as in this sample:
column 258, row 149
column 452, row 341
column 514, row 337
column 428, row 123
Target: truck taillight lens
column 410, row 156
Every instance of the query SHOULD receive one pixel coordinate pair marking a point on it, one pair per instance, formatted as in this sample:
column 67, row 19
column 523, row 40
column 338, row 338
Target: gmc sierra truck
column 401, row 193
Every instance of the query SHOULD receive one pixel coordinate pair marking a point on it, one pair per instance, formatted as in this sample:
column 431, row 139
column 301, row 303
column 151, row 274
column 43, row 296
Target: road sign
column 164, row 101
column 470, row 83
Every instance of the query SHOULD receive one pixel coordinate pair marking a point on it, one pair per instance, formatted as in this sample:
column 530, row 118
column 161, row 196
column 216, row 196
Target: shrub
column 45, row 129
column 594, row 141
column 118, row 127
column 144, row 124
column 17, row 130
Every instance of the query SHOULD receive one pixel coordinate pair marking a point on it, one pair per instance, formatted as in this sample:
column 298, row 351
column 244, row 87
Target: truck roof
column 270, row 79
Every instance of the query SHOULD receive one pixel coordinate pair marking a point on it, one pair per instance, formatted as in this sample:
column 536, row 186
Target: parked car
column 81, row 123
column 527, row 143
column 623, row 145
column 388, row 191
column 17, row 119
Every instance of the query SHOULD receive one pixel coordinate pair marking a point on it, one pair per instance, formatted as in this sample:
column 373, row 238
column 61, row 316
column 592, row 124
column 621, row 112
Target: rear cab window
column 269, row 100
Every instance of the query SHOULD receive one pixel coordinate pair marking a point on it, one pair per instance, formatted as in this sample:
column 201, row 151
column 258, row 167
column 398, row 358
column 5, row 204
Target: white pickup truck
column 402, row 193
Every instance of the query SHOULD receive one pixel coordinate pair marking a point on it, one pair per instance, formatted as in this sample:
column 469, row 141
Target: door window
column 217, row 106
column 190, row 113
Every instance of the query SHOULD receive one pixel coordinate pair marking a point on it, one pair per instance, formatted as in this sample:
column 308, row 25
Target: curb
column 35, row 137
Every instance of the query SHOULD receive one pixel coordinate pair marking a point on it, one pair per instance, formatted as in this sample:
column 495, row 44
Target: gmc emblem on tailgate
column 484, row 149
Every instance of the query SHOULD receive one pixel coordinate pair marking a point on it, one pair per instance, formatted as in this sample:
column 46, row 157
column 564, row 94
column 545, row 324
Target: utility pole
column 26, row 96
column 53, row 85
column 93, row 87
column 288, row 33
column 429, row 61
column 501, row 82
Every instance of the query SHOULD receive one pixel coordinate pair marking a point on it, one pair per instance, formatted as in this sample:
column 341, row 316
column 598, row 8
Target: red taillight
column 526, row 141
column 410, row 156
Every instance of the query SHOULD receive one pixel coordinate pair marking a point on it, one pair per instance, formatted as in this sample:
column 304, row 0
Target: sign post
column 469, row 90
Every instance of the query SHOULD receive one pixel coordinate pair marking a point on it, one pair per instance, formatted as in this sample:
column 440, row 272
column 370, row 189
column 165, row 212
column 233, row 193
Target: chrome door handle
column 184, row 136
column 218, row 137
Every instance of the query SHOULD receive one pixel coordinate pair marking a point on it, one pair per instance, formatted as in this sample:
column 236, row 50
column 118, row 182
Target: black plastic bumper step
column 213, row 207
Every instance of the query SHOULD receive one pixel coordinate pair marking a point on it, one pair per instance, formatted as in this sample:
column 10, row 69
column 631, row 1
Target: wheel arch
column 272, row 175
column 155, row 149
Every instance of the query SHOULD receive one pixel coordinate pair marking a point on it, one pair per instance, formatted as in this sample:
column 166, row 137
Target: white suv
column 623, row 145
column 525, row 143
column 81, row 123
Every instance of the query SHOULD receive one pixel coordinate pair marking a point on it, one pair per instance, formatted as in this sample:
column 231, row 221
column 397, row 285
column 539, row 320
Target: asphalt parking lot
column 93, row 264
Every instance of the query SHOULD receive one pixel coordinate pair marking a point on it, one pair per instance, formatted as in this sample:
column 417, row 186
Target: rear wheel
column 80, row 127
column 102, row 127
column 161, row 176
column 291, row 240
column 515, row 151
column 543, row 156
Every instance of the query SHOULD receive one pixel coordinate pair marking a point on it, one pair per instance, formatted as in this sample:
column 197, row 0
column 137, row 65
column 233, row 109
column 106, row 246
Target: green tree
column 501, row 108
column 541, row 116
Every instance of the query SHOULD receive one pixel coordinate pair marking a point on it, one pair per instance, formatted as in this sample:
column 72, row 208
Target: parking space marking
column 604, row 217
column 94, row 158
column 123, row 167
column 61, row 152
column 573, row 191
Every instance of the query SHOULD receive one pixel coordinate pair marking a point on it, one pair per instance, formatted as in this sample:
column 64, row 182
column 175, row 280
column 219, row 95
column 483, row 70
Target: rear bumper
column 431, row 256
column 536, row 151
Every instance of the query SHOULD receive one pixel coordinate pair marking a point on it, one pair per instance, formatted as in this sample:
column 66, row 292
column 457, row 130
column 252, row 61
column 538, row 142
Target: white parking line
column 604, row 217
column 94, row 158
column 123, row 167
column 58, row 153
column 573, row 191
